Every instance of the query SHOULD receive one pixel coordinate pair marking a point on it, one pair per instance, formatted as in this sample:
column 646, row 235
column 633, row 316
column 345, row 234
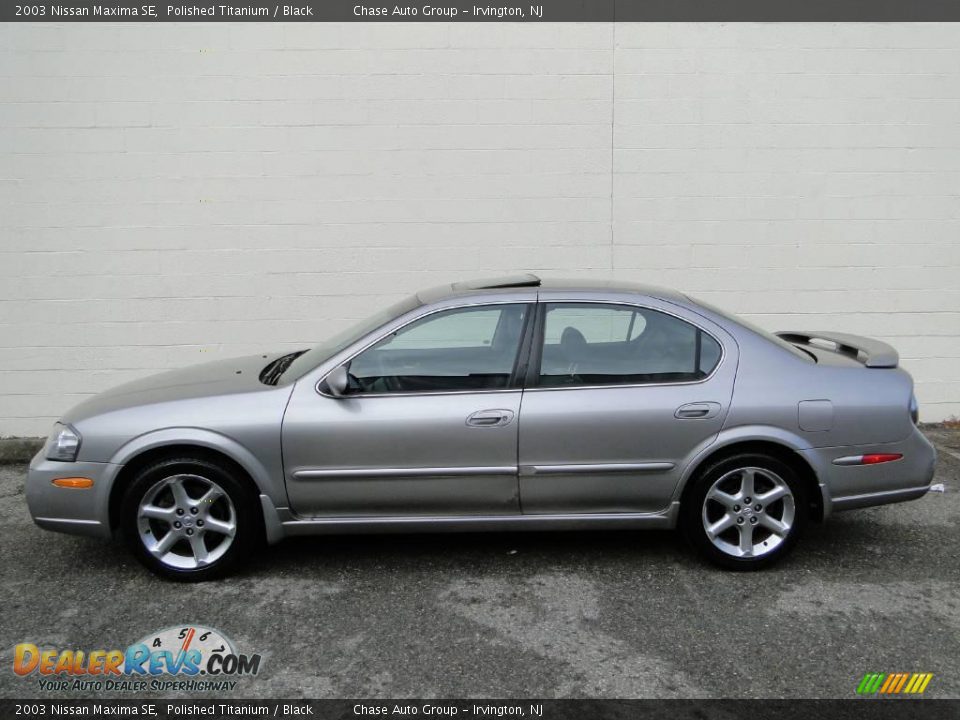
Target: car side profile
column 510, row 404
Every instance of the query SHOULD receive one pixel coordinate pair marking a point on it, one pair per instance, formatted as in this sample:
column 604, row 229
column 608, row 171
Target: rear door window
column 604, row 344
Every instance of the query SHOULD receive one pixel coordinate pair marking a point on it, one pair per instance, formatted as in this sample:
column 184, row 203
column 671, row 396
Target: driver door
column 427, row 427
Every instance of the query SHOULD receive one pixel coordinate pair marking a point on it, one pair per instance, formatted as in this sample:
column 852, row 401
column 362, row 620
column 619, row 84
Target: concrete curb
column 20, row 450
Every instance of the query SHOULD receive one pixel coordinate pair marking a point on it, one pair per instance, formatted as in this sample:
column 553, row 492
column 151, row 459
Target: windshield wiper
column 272, row 373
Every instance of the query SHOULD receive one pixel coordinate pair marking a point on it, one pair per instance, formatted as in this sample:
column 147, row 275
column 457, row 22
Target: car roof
column 509, row 283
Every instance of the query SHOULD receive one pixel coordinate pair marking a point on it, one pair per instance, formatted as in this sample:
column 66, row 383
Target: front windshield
column 343, row 339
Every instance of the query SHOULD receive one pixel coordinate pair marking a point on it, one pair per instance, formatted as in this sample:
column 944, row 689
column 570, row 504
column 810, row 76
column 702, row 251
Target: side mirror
column 337, row 381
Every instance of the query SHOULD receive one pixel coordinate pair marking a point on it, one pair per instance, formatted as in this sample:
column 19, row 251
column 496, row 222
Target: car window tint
column 459, row 329
column 709, row 353
column 594, row 344
column 596, row 324
column 462, row 349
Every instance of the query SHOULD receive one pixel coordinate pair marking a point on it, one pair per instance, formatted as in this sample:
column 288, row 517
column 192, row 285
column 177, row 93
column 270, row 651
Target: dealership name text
column 448, row 710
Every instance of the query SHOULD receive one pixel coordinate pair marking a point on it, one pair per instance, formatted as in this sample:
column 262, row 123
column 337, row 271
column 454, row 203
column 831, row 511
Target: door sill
column 288, row 524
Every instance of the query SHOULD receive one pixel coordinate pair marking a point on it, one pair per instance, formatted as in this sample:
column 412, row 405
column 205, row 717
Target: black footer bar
column 872, row 708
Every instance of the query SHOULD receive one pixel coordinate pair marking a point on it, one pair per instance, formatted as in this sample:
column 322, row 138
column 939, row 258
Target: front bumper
column 69, row 510
column 846, row 487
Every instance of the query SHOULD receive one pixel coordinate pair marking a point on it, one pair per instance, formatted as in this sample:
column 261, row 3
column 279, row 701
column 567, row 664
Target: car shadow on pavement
column 844, row 541
column 474, row 551
column 831, row 547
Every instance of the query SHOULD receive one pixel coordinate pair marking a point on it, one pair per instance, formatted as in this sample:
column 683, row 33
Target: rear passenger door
column 619, row 396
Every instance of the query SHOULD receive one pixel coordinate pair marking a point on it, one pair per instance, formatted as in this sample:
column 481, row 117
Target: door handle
column 490, row 418
column 697, row 410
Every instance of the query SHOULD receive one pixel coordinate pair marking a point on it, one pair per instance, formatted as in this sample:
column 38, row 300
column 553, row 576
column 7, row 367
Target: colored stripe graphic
column 894, row 683
column 870, row 683
column 891, row 679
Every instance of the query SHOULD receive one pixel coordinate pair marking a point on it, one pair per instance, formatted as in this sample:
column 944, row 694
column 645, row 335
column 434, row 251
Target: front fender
column 200, row 437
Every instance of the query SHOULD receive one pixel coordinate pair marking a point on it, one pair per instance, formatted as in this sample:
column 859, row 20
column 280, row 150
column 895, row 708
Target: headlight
column 64, row 443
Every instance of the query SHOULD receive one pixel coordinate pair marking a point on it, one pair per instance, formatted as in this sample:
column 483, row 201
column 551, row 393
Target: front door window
column 453, row 350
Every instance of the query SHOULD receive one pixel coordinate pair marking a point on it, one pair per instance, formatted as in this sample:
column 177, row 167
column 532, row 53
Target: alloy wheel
column 186, row 521
column 748, row 512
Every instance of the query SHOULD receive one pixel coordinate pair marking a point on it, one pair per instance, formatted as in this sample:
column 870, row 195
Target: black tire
column 694, row 516
column 194, row 472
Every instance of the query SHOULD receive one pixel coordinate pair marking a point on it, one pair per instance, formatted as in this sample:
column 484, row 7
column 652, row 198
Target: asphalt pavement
column 592, row 614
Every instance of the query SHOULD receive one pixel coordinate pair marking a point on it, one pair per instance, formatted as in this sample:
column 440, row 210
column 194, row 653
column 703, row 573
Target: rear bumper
column 68, row 510
column 846, row 487
column 852, row 502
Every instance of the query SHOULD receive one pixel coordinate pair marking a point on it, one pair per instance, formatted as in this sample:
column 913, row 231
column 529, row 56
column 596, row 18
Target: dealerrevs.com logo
column 187, row 657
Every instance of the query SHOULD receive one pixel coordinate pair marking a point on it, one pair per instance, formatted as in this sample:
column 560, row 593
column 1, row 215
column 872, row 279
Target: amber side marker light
column 78, row 483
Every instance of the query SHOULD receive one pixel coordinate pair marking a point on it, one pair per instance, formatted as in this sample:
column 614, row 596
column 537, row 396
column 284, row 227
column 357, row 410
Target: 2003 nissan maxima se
column 512, row 404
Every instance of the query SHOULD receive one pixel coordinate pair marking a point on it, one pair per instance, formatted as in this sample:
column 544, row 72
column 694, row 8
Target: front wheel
column 745, row 512
column 188, row 519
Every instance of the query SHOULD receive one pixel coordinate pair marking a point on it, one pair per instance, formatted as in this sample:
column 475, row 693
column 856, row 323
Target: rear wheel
column 188, row 519
column 745, row 512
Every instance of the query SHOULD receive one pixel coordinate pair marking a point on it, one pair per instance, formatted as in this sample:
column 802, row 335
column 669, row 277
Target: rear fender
column 753, row 433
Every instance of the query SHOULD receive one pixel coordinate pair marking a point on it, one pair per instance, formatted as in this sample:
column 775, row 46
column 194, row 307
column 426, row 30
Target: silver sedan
column 510, row 404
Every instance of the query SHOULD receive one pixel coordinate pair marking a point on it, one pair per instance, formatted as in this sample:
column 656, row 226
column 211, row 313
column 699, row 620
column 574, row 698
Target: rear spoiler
column 872, row 353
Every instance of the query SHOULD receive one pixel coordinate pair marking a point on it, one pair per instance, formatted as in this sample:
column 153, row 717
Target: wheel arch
column 188, row 442
column 781, row 448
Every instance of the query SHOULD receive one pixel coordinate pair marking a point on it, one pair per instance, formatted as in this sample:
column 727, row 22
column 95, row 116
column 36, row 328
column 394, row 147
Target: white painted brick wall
column 175, row 193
